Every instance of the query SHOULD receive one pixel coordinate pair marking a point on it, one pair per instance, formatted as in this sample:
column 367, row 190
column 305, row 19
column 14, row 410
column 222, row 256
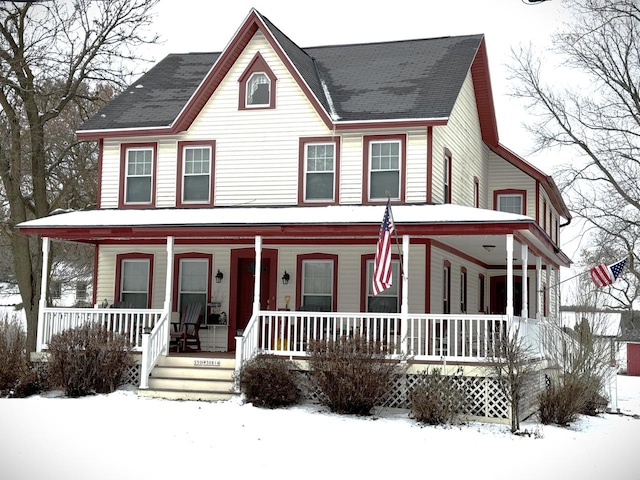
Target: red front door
column 499, row 295
column 241, row 287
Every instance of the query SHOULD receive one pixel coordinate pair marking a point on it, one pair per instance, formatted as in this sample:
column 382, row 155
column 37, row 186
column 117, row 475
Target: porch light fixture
column 285, row 278
column 488, row 248
column 219, row 276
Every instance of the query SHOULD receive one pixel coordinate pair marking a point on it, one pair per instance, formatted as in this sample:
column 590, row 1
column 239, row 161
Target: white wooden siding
column 463, row 138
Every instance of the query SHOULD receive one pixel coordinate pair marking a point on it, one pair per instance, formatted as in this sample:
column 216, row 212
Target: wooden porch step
column 192, row 377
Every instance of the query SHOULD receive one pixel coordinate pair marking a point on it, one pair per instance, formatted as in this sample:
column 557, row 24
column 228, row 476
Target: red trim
column 544, row 215
column 236, row 255
column 123, row 166
column 429, row 164
column 257, row 65
column 476, row 192
column 100, row 164
column 484, row 96
column 386, row 125
column 133, row 256
column 176, row 274
column 546, row 181
column 179, row 177
column 511, row 191
column 366, row 166
column 482, row 291
column 448, row 158
column 317, row 256
column 301, row 169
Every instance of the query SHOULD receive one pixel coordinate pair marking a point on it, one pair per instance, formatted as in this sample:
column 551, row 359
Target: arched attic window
column 257, row 85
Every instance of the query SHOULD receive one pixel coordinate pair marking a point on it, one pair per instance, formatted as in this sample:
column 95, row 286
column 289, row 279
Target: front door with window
column 499, row 295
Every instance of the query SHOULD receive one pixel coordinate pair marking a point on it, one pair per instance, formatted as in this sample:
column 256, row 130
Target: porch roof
column 464, row 228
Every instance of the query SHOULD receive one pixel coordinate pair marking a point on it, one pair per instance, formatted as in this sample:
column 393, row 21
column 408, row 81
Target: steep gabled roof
column 349, row 85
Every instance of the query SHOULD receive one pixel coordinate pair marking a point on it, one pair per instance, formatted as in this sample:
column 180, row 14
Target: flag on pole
column 382, row 265
column 603, row 275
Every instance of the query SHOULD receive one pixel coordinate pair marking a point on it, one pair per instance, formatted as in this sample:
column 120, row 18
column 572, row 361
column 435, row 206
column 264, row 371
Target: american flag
column 382, row 265
column 603, row 275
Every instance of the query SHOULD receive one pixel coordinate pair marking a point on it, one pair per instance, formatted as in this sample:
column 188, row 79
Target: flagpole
column 395, row 231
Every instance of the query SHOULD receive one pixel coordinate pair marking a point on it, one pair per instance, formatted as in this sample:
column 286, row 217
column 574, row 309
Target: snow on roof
column 333, row 214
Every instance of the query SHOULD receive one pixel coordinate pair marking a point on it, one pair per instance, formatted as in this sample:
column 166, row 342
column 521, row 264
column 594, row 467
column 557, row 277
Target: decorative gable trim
column 257, row 65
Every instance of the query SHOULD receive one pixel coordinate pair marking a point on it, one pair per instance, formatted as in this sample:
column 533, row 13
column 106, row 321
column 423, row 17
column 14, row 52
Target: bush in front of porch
column 352, row 373
column 88, row 359
column 437, row 399
column 18, row 378
column 269, row 381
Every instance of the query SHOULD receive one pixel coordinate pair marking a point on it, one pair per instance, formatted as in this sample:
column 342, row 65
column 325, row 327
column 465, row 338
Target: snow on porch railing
column 130, row 322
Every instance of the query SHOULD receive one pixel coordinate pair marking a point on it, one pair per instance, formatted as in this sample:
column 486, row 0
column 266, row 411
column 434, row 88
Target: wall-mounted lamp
column 285, row 278
column 219, row 276
column 488, row 248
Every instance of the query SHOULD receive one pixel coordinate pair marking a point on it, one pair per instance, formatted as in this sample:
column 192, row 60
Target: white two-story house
column 253, row 181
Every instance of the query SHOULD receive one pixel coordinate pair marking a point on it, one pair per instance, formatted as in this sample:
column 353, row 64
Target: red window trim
column 449, row 173
column 301, row 169
column 133, row 256
column 476, row 196
column 511, row 191
column 370, row 257
column 464, row 294
column 446, row 287
column 179, row 179
column 317, row 256
column 176, row 273
column 123, row 165
column 366, row 161
column 257, row 65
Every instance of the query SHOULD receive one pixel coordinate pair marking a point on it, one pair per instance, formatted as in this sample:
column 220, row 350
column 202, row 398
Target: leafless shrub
column 352, row 373
column 437, row 399
column 269, row 381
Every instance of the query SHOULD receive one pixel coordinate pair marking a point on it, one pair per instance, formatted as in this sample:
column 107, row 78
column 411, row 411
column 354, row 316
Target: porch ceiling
column 462, row 229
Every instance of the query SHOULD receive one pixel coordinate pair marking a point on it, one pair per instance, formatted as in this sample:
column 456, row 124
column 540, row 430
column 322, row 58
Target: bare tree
column 55, row 57
column 594, row 114
column 514, row 365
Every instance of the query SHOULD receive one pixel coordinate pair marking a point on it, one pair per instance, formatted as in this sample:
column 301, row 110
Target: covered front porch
column 505, row 263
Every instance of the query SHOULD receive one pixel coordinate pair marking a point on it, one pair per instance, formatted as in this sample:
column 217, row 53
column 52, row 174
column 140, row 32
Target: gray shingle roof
column 412, row 79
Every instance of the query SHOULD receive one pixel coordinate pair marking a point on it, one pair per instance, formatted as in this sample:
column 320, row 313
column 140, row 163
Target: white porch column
column 169, row 280
column 556, row 292
column 539, row 291
column 404, row 307
column 44, row 281
column 258, row 271
column 547, row 288
column 509, row 310
column 525, row 281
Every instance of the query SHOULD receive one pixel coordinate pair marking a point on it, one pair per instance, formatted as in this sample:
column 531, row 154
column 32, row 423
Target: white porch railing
column 129, row 322
column 154, row 344
column 428, row 336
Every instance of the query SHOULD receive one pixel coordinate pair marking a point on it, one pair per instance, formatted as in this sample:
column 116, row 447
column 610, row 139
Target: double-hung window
column 135, row 276
column 319, row 168
column 385, row 164
column 258, row 90
column 510, row 202
column 193, row 284
column 317, row 284
column 388, row 300
column 138, row 168
column 195, row 173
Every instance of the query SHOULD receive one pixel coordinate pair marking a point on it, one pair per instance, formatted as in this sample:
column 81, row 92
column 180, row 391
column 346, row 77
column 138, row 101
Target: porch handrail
column 154, row 344
column 130, row 322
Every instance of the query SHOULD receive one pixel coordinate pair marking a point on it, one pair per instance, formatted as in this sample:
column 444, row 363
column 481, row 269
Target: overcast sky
column 207, row 26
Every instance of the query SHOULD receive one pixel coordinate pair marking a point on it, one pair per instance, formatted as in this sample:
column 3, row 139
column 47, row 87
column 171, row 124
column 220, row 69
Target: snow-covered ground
column 120, row 436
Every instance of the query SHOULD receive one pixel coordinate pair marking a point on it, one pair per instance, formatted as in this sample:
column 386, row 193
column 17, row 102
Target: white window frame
column 331, row 172
column 128, row 175
column 199, row 174
column 123, row 292
column 182, row 290
column 249, row 93
column 509, row 196
column 373, row 170
column 305, row 282
column 392, row 291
